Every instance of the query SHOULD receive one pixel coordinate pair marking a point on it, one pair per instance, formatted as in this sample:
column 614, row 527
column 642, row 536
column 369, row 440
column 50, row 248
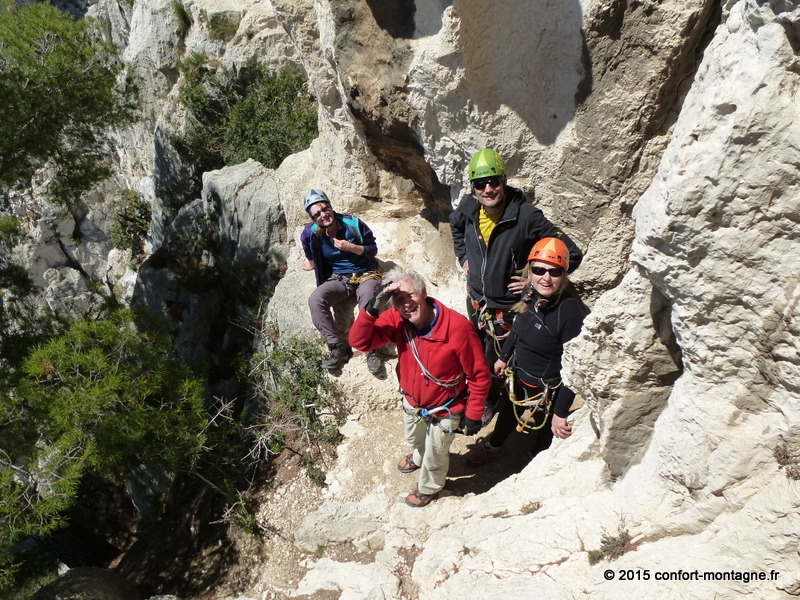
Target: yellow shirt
column 486, row 224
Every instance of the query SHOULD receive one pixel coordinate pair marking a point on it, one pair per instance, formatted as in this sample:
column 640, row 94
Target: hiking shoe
column 482, row 454
column 374, row 362
column 417, row 499
column 407, row 464
column 337, row 357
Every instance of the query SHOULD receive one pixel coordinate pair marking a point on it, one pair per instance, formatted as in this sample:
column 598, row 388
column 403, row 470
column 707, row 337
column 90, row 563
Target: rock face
column 663, row 137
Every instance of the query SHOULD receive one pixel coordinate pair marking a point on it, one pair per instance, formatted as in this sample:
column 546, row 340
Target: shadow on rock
column 465, row 478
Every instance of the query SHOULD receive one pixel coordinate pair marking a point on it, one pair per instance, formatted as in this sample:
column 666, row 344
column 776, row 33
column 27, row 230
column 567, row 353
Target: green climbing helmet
column 486, row 163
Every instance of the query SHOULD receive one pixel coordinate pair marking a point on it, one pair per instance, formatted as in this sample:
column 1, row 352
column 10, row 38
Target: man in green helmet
column 494, row 228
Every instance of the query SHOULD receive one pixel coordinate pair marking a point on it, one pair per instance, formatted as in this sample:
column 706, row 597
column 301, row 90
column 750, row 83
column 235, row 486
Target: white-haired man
column 441, row 369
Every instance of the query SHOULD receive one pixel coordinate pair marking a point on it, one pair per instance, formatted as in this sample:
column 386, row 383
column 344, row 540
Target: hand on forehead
column 406, row 285
column 401, row 287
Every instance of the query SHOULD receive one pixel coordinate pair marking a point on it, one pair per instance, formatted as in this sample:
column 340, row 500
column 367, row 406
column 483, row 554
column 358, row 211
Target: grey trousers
column 431, row 440
column 335, row 291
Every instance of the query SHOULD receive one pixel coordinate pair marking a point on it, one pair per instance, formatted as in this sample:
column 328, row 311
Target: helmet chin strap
column 542, row 302
column 530, row 295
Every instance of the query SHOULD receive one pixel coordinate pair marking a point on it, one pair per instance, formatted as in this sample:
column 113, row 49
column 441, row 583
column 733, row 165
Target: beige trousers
column 430, row 438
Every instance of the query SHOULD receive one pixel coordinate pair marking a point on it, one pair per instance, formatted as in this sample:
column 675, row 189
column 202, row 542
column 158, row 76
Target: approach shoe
column 337, row 357
column 417, row 499
column 374, row 362
column 482, row 454
column 407, row 464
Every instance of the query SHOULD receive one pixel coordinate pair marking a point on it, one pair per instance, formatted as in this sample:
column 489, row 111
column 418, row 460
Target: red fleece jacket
column 450, row 349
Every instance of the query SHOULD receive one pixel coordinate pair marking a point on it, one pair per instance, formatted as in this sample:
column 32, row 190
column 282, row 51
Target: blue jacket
column 351, row 229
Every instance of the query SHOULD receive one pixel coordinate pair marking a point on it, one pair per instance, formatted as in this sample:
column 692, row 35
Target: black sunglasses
column 317, row 214
column 479, row 184
column 554, row 272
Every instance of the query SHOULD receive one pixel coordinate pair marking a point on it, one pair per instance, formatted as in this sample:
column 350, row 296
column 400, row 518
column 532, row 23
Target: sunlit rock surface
column 663, row 137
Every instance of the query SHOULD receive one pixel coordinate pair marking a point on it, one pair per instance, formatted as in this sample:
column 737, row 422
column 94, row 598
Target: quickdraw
column 492, row 320
column 534, row 402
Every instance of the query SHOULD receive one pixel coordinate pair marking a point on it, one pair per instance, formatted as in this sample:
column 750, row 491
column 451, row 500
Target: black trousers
column 540, row 437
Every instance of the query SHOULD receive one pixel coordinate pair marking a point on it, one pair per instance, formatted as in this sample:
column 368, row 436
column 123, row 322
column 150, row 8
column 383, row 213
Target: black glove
column 376, row 305
column 470, row 426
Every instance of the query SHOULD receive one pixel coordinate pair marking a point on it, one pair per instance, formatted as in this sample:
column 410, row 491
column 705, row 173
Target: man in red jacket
column 441, row 369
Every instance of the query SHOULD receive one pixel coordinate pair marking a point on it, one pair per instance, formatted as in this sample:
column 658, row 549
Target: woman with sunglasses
column 546, row 318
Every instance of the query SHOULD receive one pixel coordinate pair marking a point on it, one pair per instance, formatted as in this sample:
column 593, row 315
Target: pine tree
column 62, row 90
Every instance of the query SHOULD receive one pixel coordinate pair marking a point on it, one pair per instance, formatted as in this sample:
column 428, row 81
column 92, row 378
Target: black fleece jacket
column 491, row 266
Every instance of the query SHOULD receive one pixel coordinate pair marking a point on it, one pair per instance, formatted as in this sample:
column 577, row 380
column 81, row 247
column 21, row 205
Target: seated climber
column 341, row 250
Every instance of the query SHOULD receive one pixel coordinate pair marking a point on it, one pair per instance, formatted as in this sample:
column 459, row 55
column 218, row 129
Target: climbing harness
column 351, row 280
column 537, row 401
column 492, row 321
column 357, row 278
column 429, row 414
column 420, row 413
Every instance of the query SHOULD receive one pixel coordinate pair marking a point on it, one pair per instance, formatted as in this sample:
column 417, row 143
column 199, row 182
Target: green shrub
column 612, row 546
column 9, row 226
column 183, row 18
column 118, row 391
column 595, row 556
column 788, row 457
column 61, row 96
column 313, row 470
column 275, row 118
column 36, row 568
column 103, row 398
column 235, row 116
column 222, row 26
column 131, row 223
column 295, row 404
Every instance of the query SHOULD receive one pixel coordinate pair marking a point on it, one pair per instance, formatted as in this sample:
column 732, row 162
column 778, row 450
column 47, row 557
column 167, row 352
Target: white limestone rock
column 672, row 161
column 690, row 365
column 625, row 396
column 356, row 523
column 245, row 201
column 354, row 581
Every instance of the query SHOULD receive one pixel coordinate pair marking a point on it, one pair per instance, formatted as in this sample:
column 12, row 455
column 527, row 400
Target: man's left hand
column 470, row 426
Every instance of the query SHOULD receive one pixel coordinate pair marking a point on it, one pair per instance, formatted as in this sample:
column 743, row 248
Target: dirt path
column 272, row 567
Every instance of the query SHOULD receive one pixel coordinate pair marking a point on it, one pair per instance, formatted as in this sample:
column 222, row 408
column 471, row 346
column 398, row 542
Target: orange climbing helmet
column 550, row 250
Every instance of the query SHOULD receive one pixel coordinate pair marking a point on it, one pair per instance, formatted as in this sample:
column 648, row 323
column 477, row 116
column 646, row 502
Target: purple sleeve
column 370, row 246
column 305, row 242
